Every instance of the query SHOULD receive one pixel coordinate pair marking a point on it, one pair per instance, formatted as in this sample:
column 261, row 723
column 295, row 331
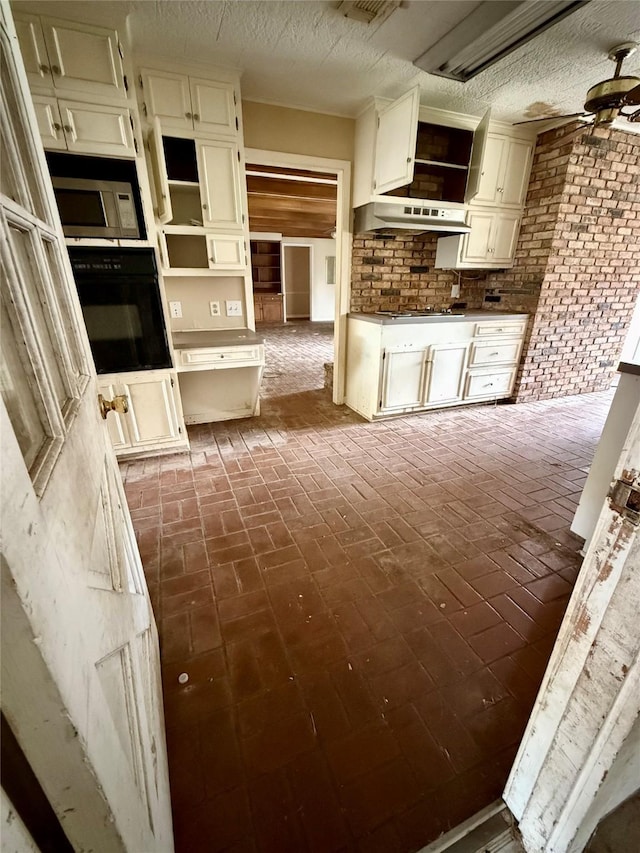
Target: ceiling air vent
column 368, row 11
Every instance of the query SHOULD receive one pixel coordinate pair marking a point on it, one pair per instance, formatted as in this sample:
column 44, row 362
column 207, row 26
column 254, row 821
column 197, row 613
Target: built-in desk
column 219, row 373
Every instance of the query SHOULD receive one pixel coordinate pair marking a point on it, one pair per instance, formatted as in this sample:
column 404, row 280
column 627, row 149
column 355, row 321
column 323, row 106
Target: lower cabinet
column 424, row 376
column 404, row 368
column 268, row 307
column 154, row 419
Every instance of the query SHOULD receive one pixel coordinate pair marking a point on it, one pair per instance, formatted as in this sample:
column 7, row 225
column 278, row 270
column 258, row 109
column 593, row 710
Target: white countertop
column 435, row 317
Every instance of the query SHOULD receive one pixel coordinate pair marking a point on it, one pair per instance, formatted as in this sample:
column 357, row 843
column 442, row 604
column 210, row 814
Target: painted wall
column 292, row 131
column 322, row 294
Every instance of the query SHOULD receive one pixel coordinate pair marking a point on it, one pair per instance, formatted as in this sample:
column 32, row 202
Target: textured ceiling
column 306, row 54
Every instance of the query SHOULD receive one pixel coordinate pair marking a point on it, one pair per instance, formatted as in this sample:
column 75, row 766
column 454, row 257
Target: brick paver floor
column 365, row 612
column 295, row 354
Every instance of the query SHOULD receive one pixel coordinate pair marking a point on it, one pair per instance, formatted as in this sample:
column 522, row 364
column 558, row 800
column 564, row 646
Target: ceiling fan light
column 606, row 116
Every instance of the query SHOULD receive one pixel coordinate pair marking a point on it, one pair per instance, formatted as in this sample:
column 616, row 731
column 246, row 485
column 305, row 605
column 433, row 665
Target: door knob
column 120, row 404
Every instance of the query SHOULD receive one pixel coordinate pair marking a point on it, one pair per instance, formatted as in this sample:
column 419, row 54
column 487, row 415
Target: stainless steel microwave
column 91, row 208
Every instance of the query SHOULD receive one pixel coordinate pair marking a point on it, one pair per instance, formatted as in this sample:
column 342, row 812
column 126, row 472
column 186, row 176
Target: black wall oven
column 120, row 299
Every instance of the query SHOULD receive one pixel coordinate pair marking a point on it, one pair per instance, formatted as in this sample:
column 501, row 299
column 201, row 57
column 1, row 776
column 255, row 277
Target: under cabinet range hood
column 409, row 218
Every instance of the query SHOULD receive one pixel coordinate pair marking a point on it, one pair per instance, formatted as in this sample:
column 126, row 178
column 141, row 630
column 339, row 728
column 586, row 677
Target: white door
column 579, row 756
column 477, row 161
column 214, row 107
column 83, row 58
column 447, row 363
column 395, row 147
column 403, row 378
column 167, row 97
column 513, row 188
column 219, row 173
column 505, row 237
column 80, row 664
column 96, row 129
column 49, row 122
column 476, row 244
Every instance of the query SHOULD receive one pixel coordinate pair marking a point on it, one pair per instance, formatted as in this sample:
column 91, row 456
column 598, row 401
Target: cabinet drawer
column 495, row 352
column 214, row 358
column 497, row 383
column 511, row 327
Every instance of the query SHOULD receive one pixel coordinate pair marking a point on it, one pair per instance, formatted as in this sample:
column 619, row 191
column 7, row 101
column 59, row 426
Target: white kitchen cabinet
column 505, row 172
column 71, row 58
column 84, row 128
column 196, row 251
column 191, row 103
column 490, row 244
column 397, row 366
column 154, row 420
column 402, row 149
column 447, row 363
column 197, row 182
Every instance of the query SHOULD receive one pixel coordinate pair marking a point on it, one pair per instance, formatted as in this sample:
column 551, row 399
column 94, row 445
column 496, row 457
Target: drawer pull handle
column 196, row 117
column 56, row 70
column 489, row 385
column 188, row 115
column 494, row 353
column 45, row 69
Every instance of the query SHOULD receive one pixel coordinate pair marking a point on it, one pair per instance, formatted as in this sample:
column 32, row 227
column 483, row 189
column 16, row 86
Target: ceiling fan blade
column 632, row 98
column 550, row 118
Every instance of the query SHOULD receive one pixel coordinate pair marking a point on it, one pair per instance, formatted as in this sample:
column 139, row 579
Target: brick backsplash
column 397, row 273
column 577, row 265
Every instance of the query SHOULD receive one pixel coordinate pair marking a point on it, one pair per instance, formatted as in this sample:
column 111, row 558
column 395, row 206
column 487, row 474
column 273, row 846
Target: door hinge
column 378, row 121
column 374, row 185
column 126, row 82
column 140, row 83
column 135, row 145
column 625, row 500
column 144, row 109
column 384, row 355
column 237, row 124
column 171, row 380
column 180, row 429
column 120, row 51
column 238, row 155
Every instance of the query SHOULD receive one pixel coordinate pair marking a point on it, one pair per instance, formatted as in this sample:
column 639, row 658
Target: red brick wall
column 397, row 274
column 579, row 245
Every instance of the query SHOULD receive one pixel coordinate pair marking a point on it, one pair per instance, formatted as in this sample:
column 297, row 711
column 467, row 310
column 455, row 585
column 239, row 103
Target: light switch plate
column 214, row 309
column 234, row 307
column 175, row 310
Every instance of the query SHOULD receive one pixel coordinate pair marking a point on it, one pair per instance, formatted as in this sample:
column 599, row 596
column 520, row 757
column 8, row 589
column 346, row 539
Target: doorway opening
column 300, row 248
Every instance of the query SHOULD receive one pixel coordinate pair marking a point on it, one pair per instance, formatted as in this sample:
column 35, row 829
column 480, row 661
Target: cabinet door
column 272, row 310
column 515, row 178
column 257, row 308
column 505, row 237
column 226, row 251
column 477, row 156
column 116, row 423
column 476, row 245
column 219, row 172
column 446, row 363
column 49, row 122
column 167, row 97
column 491, row 170
column 403, row 378
column 33, row 49
column 83, row 58
column 159, row 173
column 152, row 417
column 214, row 107
column 94, row 129
column 395, row 147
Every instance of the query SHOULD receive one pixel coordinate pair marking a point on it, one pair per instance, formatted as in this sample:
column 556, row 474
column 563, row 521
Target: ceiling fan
column 605, row 100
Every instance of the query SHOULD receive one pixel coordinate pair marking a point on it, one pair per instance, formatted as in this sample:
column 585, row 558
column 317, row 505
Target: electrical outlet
column 455, row 290
column 234, row 308
column 175, row 309
column 214, row 309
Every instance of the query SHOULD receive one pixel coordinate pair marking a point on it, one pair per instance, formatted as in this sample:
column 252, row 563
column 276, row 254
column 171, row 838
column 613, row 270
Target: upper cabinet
column 70, row 59
column 84, row 128
column 410, row 151
column 505, row 171
column 190, row 103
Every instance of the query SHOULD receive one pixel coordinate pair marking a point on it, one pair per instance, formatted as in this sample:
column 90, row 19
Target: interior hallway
column 364, row 612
